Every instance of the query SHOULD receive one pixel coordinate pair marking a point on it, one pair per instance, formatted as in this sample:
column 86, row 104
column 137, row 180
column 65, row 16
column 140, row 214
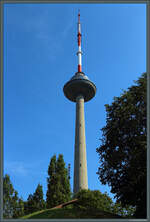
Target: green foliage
column 62, row 180
column 57, row 183
column 93, row 200
column 126, row 211
column 19, row 208
column 51, row 181
column 38, row 198
column 122, row 153
column 13, row 206
column 29, row 205
column 35, row 202
column 8, row 193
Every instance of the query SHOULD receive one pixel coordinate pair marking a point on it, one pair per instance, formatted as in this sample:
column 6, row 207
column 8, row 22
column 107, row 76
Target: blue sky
column 40, row 45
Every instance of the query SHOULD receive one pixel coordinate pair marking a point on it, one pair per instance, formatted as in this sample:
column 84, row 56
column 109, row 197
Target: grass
column 71, row 213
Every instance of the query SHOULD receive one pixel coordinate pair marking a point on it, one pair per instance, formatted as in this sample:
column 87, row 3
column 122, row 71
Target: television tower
column 80, row 89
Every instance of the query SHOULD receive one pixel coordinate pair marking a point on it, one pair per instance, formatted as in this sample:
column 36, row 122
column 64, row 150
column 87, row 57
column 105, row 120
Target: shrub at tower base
column 58, row 185
column 93, row 200
column 123, row 151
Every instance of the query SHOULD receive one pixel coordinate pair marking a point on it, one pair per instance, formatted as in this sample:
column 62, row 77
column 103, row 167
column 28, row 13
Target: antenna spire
column 79, row 53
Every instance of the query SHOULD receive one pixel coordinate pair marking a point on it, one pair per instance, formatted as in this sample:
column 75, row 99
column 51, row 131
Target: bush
column 93, row 200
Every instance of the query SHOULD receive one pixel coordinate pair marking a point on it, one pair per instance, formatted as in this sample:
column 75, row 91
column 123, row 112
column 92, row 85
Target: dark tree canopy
column 51, row 181
column 38, row 198
column 13, row 206
column 58, row 185
column 29, row 205
column 35, row 202
column 122, row 154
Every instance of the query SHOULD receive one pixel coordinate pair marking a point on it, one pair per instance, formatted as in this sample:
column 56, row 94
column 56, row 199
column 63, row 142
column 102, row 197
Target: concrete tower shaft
column 80, row 162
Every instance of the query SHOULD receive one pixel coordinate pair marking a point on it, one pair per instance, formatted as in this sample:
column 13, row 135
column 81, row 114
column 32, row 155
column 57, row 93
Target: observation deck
column 79, row 84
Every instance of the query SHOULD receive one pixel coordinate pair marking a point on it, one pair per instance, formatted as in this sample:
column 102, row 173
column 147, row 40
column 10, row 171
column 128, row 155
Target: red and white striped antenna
column 79, row 53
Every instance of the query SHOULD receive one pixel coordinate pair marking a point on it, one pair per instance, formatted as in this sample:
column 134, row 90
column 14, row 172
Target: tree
column 29, row 205
column 35, row 202
column 92, row 200
column 38, row 198
column 8, row 192
column 19, row 208
column 122, row 153
column 13, row 206
column 57, row 183
column 51, row 181
column 63, row 180
column 127, row 211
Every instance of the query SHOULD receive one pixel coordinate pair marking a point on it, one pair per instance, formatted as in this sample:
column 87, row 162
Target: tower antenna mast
column 79, row 53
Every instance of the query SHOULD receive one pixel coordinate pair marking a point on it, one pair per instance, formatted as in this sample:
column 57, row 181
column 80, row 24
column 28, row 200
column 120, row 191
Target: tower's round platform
column 79, row 84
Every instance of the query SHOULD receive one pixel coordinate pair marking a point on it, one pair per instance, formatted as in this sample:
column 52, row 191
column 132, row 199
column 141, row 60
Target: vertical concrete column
column 80, row 163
